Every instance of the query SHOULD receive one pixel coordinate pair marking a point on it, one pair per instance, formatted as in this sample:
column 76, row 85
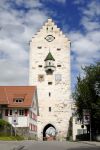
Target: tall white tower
column 50, row 72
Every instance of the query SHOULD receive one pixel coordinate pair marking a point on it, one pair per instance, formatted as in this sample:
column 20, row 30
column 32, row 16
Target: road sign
column 15, row 119
column 86, row 116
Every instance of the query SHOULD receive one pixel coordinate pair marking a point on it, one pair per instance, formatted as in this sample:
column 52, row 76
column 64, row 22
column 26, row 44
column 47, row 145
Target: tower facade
column 49, row 70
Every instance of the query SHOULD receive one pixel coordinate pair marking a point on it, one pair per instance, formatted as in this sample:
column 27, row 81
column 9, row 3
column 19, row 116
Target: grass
column 11, row 138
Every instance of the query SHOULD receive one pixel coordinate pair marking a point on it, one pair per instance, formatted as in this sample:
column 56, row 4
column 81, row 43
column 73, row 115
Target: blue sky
column 21, row 19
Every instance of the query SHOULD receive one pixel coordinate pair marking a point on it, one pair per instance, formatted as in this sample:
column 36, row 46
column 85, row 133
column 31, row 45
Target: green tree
column 87, row 94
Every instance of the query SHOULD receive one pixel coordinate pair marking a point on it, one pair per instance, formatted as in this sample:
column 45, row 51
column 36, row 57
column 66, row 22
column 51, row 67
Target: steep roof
column 49, row 57
column 3, row 96
column 9, row 93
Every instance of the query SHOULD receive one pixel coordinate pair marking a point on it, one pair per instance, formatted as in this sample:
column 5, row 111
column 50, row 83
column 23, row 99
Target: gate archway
column 49, row 132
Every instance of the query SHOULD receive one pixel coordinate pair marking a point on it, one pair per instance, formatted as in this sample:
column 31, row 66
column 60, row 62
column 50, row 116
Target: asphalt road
column 53, row 145
column 61, row 146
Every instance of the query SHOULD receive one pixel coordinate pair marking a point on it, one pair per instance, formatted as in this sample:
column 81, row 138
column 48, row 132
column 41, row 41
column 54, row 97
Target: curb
column 89, row 143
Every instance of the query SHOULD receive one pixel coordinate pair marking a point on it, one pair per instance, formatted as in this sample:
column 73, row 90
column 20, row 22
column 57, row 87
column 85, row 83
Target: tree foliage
column 87, row 93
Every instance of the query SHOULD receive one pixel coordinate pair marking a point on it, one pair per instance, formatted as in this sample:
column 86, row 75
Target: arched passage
column 49, row 132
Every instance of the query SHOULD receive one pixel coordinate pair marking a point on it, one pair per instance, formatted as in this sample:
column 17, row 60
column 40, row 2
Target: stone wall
column 59, row 101
column 24, row 131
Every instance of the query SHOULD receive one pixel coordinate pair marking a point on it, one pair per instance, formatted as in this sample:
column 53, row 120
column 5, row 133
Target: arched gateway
column 49, row 132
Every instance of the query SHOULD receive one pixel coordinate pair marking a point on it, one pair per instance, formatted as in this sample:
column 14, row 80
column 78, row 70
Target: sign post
column 15, row 121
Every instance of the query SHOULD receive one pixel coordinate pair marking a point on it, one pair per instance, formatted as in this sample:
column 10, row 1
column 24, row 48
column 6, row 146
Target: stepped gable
column 45, row 29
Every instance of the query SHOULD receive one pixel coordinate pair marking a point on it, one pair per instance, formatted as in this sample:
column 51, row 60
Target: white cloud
column 91, row 15
column 79, row 2
column 60, row 1
column 29, row 3
column 16, row 29
column 86, row 45
column 18, row 26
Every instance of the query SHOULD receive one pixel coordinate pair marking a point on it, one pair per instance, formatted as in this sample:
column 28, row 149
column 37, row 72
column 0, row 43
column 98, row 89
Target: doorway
column 49, row 133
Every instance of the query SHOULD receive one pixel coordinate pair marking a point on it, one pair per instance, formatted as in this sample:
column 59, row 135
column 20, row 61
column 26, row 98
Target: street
column 53, row 145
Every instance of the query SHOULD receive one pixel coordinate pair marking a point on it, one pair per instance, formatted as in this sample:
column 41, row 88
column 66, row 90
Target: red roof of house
column 9, row 93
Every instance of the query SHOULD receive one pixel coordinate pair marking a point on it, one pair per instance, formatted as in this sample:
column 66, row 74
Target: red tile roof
column 9, row 93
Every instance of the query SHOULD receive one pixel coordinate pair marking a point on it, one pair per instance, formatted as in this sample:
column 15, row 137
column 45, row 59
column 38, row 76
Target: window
column 58, row 49
column 58, row 65
column 6, row 112
column 40, row 77
column 81, row 131
column 49, row 94
column 49, row 83
column 21, row 112
column 49, row 63
column 58, row 77
column 39, row 47
column 10, row 112
column 40, row 66
column 49, row 109
column 18, row 100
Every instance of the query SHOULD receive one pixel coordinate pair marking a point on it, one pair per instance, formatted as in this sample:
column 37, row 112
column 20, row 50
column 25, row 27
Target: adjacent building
column 19, row 106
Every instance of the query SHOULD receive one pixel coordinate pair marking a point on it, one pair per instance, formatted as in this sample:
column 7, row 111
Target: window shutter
column 6, row 112
column 26, row 112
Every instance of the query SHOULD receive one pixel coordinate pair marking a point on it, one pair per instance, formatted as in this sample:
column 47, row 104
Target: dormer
column 49, row 64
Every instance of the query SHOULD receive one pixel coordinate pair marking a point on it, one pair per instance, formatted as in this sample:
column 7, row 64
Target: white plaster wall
column 60, row 92
column 75, row 127
column 22, row 121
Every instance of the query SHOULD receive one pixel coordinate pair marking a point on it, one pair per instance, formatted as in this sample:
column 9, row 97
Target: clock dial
column 49, row 38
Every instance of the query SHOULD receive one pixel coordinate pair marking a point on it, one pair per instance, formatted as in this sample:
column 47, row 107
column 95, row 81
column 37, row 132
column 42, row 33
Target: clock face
column 49, row 38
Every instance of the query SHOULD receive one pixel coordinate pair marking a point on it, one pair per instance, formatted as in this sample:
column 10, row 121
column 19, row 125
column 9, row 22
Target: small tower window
column 58, row 65
column 49, row 94
column 49, row 63
column 49, row 83
column 58, row 49
column 49, row 109
column 40, row 66
column 52, row 28
column 39, row 47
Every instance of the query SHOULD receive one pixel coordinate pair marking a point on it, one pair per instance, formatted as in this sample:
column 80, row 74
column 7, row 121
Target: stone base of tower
column 61, row 129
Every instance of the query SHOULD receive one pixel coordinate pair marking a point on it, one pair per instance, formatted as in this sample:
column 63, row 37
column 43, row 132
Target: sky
column 21, row 19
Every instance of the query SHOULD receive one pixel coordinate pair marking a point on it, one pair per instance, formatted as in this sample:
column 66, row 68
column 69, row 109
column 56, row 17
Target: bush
column 5, row 128
column 83, row 137
column 4, row 123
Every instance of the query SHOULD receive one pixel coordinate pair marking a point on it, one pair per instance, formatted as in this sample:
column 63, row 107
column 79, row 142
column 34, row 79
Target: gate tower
column 49, row 70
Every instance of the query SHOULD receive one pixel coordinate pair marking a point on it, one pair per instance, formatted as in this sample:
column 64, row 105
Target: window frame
column 21, row 112
column 18, row 100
